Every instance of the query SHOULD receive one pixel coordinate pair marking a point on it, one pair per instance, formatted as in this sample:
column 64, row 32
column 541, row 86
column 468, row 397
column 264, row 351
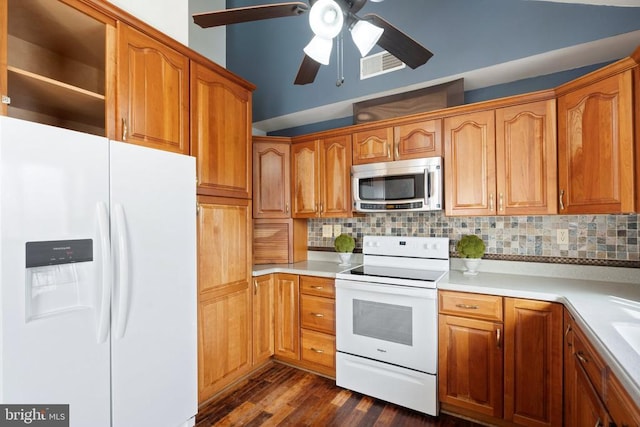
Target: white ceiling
column 625, row 3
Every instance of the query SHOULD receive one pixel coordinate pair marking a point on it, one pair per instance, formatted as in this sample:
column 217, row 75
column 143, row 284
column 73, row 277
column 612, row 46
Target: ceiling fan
column 327, row 19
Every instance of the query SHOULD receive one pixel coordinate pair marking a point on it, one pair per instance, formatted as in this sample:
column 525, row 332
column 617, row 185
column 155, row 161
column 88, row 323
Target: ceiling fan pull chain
column 340, row 59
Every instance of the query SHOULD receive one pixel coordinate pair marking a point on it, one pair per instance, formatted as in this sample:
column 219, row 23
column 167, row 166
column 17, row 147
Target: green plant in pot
column 344, row 245
column 471, row 248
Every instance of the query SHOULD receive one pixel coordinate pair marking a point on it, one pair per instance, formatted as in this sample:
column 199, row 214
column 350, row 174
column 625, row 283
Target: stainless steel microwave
column 403, row 185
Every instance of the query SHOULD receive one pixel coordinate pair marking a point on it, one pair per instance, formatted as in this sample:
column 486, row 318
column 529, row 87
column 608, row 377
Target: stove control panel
column 412, row 247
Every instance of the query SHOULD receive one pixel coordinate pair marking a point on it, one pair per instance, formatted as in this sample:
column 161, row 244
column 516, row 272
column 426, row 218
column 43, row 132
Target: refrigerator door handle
column 103, row 314
column 123, row 271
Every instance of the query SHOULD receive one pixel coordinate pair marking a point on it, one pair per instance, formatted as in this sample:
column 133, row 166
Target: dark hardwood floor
column 279, row 395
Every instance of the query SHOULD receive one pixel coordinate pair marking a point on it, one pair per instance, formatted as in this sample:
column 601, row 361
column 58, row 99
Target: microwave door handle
column 434, row 188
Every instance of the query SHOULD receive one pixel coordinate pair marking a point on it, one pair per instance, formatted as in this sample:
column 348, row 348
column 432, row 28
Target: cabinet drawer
column 320, row 286
column 317, row 313
column 319, row 348
column 478, row 306
column 590, row 361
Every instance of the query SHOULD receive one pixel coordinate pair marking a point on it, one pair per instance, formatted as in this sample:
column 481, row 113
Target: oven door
column 389, row 323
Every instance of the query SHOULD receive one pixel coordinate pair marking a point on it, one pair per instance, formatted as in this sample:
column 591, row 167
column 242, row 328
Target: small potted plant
column 344, row 245
column 471, row 248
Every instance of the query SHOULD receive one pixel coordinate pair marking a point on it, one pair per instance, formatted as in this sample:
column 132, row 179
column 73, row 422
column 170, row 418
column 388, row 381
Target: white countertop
column 605, row 301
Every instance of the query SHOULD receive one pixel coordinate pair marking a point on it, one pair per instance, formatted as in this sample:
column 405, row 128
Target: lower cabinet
column 224, row 294
column 500, row 359
column 263, row 318
column 305, row 322
column 593, row 395
column 287, row 326
column 318, row 324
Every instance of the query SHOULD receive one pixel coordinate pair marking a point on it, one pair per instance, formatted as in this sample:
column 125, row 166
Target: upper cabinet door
column 374, row 145
column 305, row 191
column 335, row 175
column 417, row 140
column 271, row 179
column 469, row 147
column 220, row 134
column 595, row 147
column 153, row 93
column 526, row 159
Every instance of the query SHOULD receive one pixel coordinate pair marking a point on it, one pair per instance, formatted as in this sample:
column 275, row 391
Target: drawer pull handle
column 580, row 356
column 317, row 287
column 569, row 343
column 317, row 350
column 498, row 338
column 317, row 314
column 468, row 306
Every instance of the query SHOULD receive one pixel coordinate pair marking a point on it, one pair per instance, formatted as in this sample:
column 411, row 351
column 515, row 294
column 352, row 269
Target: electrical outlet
column 337, row 230
column 562, row 237
column 326, row 230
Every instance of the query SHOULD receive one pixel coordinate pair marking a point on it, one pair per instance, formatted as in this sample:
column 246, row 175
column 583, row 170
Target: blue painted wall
column 463, row 34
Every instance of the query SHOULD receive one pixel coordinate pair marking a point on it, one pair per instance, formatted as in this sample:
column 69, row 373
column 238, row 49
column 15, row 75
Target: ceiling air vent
column 379, row 63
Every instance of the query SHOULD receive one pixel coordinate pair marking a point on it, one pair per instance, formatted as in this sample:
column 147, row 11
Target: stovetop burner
column 397, row 273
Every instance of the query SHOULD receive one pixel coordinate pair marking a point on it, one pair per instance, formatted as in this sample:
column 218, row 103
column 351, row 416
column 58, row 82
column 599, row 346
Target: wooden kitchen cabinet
column 321, row 178
column 277, row 238
column 224, row 293
column 263, row 318
column 279, row 241
column 220, row 133
column 271, row 177
column 500, row 359
column 622, row 410
column 318, row 324
column 596, row 168
column 470, row 359
column 470, row 164
column 287, row 319
column 401, row 142
column 502, row 161
column 153, row 92
column 373, row 145
column 533, row 345
column 593, row 395
column 56, row 64
column 526, row 178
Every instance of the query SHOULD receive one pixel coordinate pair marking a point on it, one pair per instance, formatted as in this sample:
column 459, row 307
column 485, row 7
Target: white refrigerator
column 98, row 277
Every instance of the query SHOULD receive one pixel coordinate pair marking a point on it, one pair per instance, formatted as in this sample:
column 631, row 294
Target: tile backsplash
column 592, row 239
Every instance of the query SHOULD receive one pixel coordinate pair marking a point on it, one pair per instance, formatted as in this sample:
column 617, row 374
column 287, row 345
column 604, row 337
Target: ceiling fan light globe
column 319, row 49
column 326, row 19
column 365, row 35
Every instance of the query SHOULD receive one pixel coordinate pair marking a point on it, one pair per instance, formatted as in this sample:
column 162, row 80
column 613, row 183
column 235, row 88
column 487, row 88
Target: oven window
column 387, row 322
column 398, row 187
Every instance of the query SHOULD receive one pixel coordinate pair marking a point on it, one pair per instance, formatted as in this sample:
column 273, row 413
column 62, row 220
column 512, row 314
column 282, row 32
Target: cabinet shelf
column 56, row 65
column 44, row 96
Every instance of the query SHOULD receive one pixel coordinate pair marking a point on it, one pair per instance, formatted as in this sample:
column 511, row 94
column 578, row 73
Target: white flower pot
column 345, row 257
column 472, row 266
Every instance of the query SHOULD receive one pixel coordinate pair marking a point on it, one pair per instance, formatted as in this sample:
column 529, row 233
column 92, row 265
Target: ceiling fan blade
column 399, row 44
column 249, row 13
column 307, row 71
